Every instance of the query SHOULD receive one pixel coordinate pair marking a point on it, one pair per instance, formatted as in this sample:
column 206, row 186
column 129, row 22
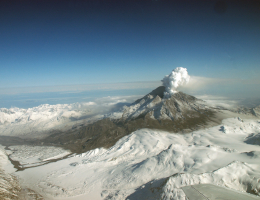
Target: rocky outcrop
column 256, row 111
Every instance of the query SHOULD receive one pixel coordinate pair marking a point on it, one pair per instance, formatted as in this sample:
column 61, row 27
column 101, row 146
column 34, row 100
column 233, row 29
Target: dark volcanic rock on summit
column 157, row 92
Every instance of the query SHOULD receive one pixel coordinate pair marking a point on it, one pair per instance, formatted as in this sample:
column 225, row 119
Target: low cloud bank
column 79, row 88
column 232, row 88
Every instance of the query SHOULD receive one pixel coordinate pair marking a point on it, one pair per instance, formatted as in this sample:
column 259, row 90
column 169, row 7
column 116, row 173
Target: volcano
column 178, row 107
column 178, row 113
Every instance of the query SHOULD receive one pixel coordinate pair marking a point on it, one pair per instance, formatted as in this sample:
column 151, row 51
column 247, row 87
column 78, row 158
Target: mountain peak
column 156, row 92
column 153, row 105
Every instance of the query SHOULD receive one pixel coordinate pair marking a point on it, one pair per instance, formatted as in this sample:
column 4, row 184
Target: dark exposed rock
column 157, row 92
column 253, row 139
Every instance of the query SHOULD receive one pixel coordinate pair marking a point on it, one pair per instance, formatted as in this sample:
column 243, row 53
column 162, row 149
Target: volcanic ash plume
column 171, row 82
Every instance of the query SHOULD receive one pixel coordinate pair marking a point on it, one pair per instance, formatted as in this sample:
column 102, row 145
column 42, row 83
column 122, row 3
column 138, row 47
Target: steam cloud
column 176, row 78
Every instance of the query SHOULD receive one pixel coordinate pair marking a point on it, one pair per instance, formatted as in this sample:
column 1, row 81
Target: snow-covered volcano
column 179, row 112
column 177, row 106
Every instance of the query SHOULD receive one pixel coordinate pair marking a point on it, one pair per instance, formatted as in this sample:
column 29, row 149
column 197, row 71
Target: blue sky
column 84, row 42
column 76, row 42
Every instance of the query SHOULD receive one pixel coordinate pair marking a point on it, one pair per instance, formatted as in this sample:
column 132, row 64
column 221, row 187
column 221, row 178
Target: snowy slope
column 237, row 175
column 150, row 160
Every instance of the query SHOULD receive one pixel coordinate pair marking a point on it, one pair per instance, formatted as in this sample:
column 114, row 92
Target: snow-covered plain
column 152, row 164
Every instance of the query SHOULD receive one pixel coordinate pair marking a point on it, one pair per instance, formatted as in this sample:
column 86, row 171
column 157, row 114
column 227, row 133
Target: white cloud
column 199, row 83
column 219, row 101
column 236, row 88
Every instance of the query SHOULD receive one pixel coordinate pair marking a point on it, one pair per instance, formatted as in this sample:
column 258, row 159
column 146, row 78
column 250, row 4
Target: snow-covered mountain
column 36, row 122
column 177, row 106
column 43, row 112
column 40, row 121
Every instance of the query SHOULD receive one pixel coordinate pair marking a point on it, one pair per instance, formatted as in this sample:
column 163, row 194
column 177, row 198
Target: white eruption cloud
column 176, row 78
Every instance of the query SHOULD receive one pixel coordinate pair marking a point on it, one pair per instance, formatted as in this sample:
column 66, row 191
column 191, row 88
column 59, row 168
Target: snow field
column 140, row 160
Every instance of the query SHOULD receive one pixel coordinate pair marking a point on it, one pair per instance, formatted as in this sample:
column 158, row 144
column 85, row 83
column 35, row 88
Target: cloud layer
column 234, row 88
column 79, row 88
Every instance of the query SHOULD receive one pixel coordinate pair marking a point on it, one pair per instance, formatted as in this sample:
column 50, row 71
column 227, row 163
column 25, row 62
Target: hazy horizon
column 247, row 93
